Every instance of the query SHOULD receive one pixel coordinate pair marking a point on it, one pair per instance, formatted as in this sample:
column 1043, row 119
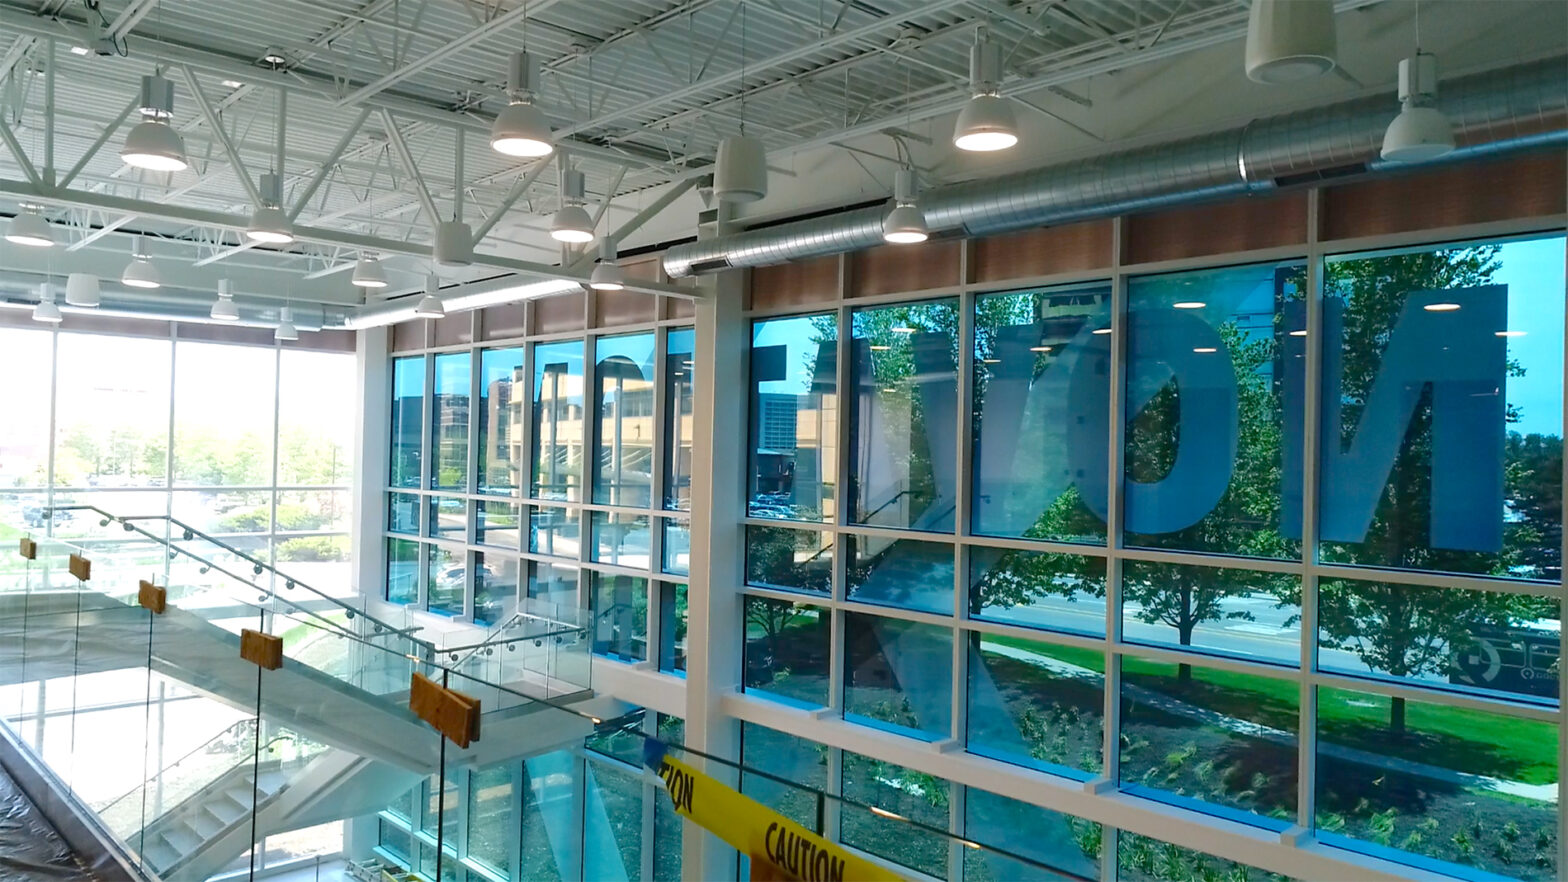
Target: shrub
column 314, row 549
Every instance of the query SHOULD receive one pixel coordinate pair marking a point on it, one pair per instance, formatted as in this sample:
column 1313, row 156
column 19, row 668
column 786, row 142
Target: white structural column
column 371, row 445
column 714, row 623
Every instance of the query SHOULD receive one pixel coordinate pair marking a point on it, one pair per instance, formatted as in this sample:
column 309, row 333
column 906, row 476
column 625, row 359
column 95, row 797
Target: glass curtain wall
column 553, row 469
column 249, row 443
column 1336, row 529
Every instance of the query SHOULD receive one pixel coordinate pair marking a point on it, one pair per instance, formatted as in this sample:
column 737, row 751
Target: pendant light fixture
column 607, row 274
column 154, row 144
column 82, row 289
column 740, row 167
column 368, row 272
column 224, row 309
column 46, row 311
column 30, row 228
column 572, row 223
column 429, row 306
column 454, row 245
column 521, row 128
column 268, row 223
column 141, row 272
column 906, row 223
column 286, row 330
column 986, row 123
column 1290, row 40
column 1420, row 132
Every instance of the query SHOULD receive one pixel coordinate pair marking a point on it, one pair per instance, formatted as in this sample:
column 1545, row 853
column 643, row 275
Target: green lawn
column 1457, row 738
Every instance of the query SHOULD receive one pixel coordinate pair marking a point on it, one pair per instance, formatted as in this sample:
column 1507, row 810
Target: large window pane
column 615, row 853
column 1449, row 783
column 553, row 583
column 1038, row 589
column 1208, row 420
column 220, row 438
column 448, row 581
column 495, row 523
column 403, row 513
column 501, row 386
column 449, row 421
column 1440, row 637
column 672, row 627
column 620, row 617
column 793, row 458
column 677, row 548
column 558, row 421
column 1442, row 409
column 1036, row 704
column 898, row 675
column 903, row 792
column 623, row 464
column 408, row 419
column 903, row 427
column 402, row 571
column 907, row 573
column 448, row 517
column 1061, row 841
column 495, row 587
column 1223, row 741
column 24, row 434
column 620, row 539
column 1216, row 609
column 789, row 560
column 555, row 531
column 315, row 430
column 680, row 394
column 1040, row 413
column 1142, row 859
column 787, row 649
column 112, row 412
column 490, row 817
column 794, row 759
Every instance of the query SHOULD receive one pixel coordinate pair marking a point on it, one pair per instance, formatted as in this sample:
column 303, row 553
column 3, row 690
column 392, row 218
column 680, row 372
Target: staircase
column 338, row 737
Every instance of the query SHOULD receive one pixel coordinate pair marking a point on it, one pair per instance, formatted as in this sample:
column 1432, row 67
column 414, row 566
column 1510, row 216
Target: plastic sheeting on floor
column 30, row 849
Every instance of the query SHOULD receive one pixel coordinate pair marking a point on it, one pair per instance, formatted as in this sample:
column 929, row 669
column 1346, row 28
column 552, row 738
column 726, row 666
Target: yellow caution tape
column 759, row 831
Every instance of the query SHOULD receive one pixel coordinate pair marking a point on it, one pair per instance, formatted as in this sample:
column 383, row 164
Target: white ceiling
column 640, row 91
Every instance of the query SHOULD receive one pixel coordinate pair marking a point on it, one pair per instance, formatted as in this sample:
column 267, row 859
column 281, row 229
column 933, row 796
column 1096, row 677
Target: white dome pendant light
column 224, row 309
column 46, row 311
column 521, row 129
column 1290, row 40
column 430, row 306
column 30, row 228
column 154, row 144
column 368, row 272
column 454, row 245
column 269, row 225
column 1420, row 132
column 740, row 167
column 141, row 272
column 986, row 123
column 82, row 289
column 285, row 331
column 906, row 223
column 607, row 274
column 572, row 224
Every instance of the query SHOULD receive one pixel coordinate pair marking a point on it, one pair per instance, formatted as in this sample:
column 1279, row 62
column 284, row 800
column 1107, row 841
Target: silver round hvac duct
column 1516, row 108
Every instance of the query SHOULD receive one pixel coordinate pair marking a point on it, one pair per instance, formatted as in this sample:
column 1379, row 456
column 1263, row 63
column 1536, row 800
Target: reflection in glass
column 1424, row 464
column 1036, row 704
column 558, row 421
column 907, row 573
column 898, row 675
column 1038, row 589
column 620, row 539
column 448, row 516
column 555, row 531
column 623, row 464
column 1142, row 859
column 793, row 461
column 1207, row 416
column 616, row 853
column 903, row 421
column 905, row 793
column 1069, row 844
column 408, row 419
column 1440, row 637
column 1038, row 447
column 24, row 434
column 672, row 627
column 680, row 393
column 553, row 583
column 449, row 422
column 677, row 547
column 1455, row 784
column 112, row 426
column 792, row 758
column 501, row 416
column 1223, row 739
column 448, row 581
column 402, row 571
column 222, row 438
column 620, row 616
column 495, row 588
column 789, row 560
column 1216, row 609
column 495, row 523
column 786, row 650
